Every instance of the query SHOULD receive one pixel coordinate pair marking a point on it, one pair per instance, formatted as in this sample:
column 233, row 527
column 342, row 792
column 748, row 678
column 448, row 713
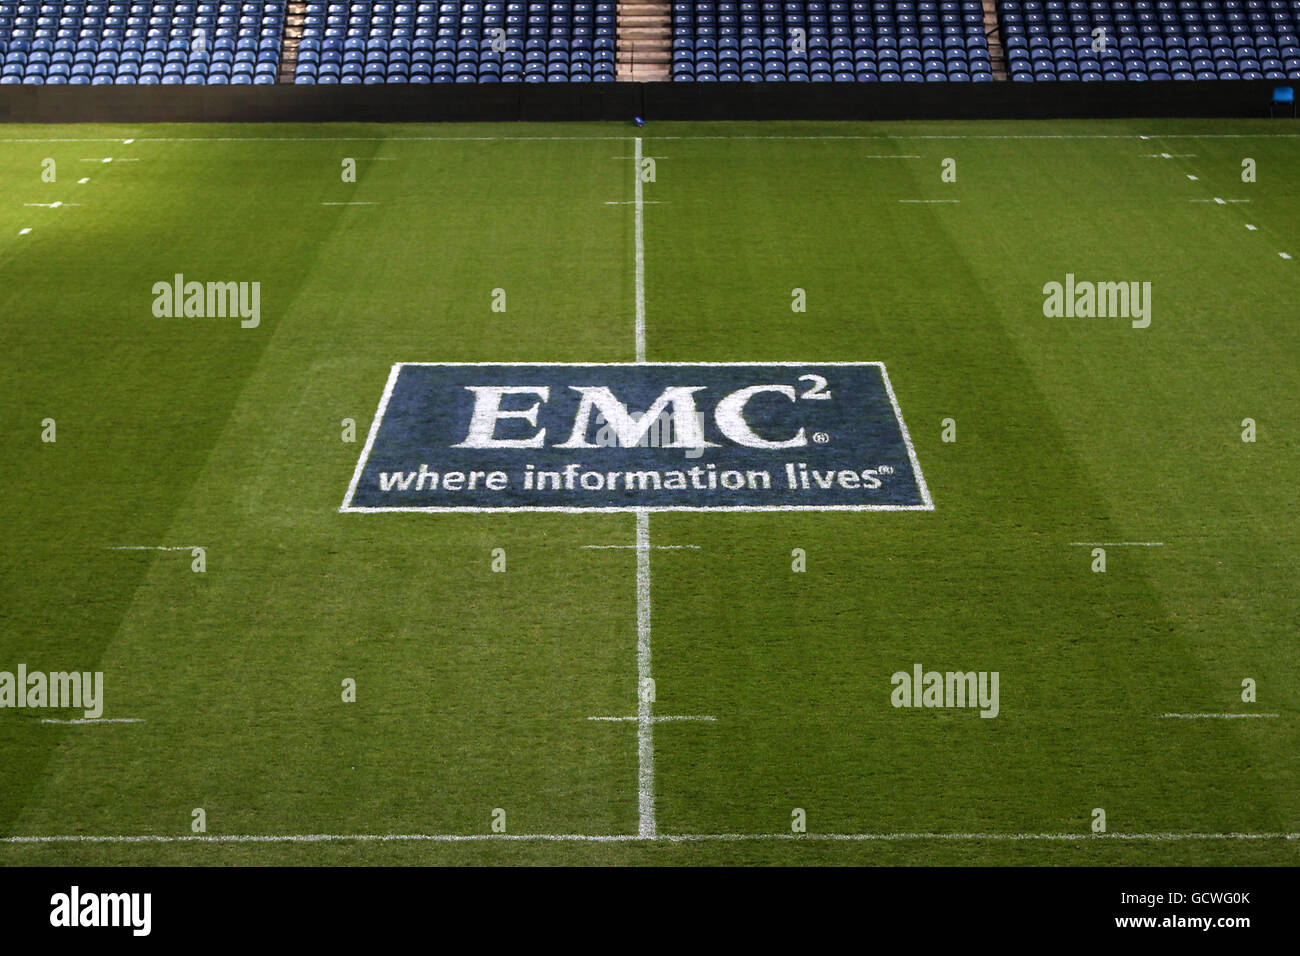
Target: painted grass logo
column 1101, row 300
column 212, row 300
column 76, row 909
column 58, row 689
column 610, row 437
column 946, row 689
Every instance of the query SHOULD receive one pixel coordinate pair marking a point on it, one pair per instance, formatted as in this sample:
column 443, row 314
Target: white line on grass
column 1222, row 716
column 95, row 720
column 597, row 139
column 638, row 838
column 370, row 438
column 640, row 260
column 632, row 202
column 1192, row 178
column 653, row 547
column 349, row 204
column 23, row 232
column 645, row 742
column 154, row 547
column 1117, row 544
column 656, row 720
column 1284, row 255
column 1250, row 227
column 929, row 200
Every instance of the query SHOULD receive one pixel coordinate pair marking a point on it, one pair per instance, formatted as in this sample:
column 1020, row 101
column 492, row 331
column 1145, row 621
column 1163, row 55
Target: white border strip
column 348, row 508
column 370, row 438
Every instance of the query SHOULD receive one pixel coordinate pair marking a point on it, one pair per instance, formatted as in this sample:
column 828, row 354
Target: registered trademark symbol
column 821, row 438
column 886, row 469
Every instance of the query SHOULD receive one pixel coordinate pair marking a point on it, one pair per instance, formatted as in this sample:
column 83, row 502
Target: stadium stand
column 1151, row 39
column 830, row 40
column 379, row 41
column 466, row 42
column 83, row 43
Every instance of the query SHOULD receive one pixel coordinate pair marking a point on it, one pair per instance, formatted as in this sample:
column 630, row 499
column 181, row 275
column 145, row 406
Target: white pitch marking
column 929, row 200
column 645, row 744
column 23, row 232
column 1250, row 227
column 653, row 547
column 83, row 181
column 656, row 720
column 95, row 720
column 1192, row 178
column 51, row 205
column 349, row 204
column 127, row 142
column 1285, row 255
column 597, row 139
column 634, row 838
column 1218, row 200
column 154, row 547
column 633, row 202
column 370, row 438
column 1225, row 716
column 1117, row 544
column 640, row 273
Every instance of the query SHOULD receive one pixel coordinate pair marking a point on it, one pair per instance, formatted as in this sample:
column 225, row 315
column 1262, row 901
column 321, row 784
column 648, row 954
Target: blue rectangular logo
column 762, row 436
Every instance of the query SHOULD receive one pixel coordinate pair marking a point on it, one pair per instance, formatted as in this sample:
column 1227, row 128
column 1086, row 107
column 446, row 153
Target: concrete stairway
column 645, row 39
column 295, row 14
column 993, row 32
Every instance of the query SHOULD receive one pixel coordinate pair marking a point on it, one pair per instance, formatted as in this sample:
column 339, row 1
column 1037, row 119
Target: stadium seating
column 464, row 42
column 97, row 43
column 1151, row 39
column 829, row 40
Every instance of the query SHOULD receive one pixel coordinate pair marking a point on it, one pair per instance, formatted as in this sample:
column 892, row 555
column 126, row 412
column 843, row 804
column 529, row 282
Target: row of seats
column 829, row 40
column 469, row 42
column 93, row 43
column 1151, row 39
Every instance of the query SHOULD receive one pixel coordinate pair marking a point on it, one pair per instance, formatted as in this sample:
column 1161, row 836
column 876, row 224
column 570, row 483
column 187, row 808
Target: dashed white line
column 1220, row 716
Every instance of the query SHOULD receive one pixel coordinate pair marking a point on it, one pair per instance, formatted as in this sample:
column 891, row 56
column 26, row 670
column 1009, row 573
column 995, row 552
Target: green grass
column 473, row 687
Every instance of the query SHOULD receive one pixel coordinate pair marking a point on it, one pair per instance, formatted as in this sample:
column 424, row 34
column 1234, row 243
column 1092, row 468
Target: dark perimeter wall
column 621, row 101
